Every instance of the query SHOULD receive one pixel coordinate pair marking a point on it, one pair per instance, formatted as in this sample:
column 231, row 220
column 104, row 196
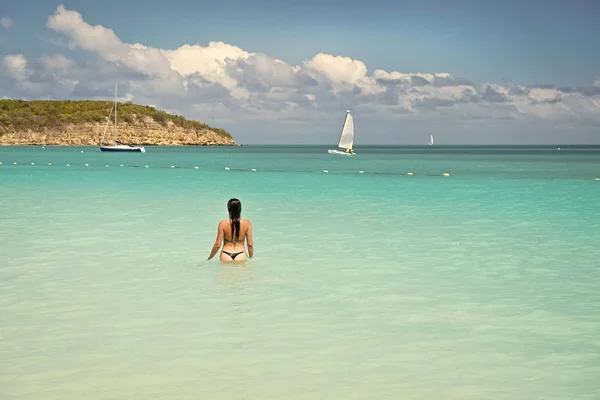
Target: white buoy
column 107, row 165
column 325, row 171
column 15, row 163
column 68, row 165
column 446, row 174
column 254, row 169
column 226, row 168
column 195, row 167
column 172, row 166
column 32, row 163
column 87, row 165
column 410, row 174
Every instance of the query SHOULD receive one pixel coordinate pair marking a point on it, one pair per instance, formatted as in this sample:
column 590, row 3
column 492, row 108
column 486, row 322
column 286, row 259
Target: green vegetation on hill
column 52, row 114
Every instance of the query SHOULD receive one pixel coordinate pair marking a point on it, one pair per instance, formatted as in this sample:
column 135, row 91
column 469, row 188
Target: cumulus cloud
column 223, row 82
column 15, row 66
column 494, row 93
column 105, row 43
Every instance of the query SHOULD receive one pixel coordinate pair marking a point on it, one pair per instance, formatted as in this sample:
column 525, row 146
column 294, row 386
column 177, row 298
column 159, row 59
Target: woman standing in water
column 232, row 233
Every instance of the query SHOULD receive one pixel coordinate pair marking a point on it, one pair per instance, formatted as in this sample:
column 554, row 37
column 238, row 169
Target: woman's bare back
column 227, row 236
column 233, row 248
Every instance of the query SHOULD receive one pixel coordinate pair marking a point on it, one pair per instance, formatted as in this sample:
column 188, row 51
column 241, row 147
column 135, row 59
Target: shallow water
column 483, row 284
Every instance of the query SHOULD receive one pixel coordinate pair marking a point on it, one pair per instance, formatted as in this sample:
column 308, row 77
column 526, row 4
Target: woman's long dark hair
column 234, row 206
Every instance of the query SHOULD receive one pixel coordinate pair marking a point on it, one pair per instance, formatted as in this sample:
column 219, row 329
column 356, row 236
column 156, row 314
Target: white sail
column 347, row 135
column 431, row 140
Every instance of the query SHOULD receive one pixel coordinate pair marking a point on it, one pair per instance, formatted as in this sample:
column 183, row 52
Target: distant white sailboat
column 118, row 146
column 430, row 140
column 346, row 137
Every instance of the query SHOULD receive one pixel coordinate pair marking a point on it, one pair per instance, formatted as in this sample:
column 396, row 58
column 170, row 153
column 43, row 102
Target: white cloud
column 222, row 82
column 16, row 66
column 105, row 43
column 338, row 69
column 185, row 59
column 5, row 22
column 544, row 95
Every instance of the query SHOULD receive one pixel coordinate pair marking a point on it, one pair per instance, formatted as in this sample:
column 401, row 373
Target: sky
column 286, row 71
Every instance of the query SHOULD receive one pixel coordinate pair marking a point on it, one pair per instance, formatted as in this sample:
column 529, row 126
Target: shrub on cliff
column 52, row 114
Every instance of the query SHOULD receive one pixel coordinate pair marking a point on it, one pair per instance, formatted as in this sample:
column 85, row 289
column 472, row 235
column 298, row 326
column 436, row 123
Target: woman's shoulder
column 227, row 222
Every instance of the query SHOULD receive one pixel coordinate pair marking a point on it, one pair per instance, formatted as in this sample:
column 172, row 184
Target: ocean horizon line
column 448, row 145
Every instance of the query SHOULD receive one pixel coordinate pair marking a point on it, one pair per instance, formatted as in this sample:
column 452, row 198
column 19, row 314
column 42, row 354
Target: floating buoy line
column 195, row 167
column 324, row 171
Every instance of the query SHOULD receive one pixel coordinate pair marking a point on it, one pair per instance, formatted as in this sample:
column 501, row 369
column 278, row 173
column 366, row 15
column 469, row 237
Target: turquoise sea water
column 478, row 285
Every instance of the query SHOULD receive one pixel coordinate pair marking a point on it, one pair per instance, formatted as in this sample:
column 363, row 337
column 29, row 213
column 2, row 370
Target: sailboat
column 430, row 140
column 118, row 146
column 346, row 137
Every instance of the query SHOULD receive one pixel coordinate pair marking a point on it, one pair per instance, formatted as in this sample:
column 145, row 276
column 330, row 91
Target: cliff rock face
column 140, row 131
column 91, row 123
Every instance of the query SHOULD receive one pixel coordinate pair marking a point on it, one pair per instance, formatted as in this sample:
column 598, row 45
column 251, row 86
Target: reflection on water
column 239, row 305
column 235, row 276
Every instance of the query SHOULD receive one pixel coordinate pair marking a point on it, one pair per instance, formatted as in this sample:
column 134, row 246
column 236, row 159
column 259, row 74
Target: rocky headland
column 86, row 123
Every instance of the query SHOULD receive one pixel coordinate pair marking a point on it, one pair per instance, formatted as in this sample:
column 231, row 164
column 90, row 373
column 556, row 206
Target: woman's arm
column 249, row 240
column 218, row 241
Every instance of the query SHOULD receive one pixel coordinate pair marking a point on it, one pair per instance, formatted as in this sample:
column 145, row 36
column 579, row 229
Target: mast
column 115, row 112
column 106, row 126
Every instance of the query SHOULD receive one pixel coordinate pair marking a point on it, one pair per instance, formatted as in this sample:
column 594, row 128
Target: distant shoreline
column 93, row 134
column 369, row 149
column 98, row 145
column 87, row 122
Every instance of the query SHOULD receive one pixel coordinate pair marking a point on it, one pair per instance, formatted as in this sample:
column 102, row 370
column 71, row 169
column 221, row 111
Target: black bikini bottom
column 233, row 255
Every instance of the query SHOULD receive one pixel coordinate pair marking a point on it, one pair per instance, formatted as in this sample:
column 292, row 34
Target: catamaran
column 118, row 146
column 430, row 140
column 346, row 137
